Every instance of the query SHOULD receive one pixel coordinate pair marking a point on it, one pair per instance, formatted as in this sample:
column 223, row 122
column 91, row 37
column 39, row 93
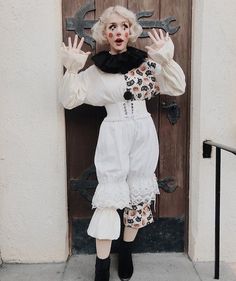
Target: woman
column 127, row 149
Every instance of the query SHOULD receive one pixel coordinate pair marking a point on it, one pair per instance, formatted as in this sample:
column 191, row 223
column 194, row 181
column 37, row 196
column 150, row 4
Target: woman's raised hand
column 158, row 40
column 75, row 47
column 73, row 58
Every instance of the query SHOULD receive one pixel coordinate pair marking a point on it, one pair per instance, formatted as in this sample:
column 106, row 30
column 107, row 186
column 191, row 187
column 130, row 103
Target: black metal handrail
column 207, row 148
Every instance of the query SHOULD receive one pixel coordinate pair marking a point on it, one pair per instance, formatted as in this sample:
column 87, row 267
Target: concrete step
column 148, row 267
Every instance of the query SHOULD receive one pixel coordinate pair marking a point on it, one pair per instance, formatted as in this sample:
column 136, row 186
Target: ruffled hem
column 105, row 224
column 143, row 189
column 111, row 195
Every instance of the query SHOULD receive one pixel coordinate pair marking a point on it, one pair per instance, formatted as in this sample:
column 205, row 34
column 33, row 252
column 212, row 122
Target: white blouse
column 95, row 87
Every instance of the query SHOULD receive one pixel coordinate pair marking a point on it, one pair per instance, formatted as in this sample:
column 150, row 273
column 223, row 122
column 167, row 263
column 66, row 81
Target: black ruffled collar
column 120, row 63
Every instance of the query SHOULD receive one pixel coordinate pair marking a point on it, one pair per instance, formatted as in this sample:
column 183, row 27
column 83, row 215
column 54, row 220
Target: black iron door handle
column 172, row 111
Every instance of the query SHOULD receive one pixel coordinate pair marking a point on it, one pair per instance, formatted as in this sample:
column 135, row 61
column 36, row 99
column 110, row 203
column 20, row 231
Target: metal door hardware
column 79, row 24
column 172, row 110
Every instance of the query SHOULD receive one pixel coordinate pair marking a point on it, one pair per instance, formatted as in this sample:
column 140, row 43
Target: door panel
column 173, row 142
column 82, row 128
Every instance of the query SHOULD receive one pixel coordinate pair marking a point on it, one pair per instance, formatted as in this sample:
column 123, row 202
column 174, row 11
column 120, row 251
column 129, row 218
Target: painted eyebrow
column 123, row 22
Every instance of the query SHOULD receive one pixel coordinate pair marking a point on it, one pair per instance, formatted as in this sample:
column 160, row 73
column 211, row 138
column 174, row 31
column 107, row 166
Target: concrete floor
column 148, row 267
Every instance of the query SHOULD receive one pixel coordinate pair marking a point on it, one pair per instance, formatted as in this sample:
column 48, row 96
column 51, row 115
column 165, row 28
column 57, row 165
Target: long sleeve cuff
column 105, row 224
column 71, row 93
column 73, row 62
column 171, row 78
column 164, row 55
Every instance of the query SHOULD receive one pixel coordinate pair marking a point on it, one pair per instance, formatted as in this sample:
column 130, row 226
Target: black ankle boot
column 125, row 263
column 102, row 269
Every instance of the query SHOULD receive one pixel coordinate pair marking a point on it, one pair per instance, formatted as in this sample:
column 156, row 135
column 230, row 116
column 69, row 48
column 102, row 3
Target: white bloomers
column 126, row 158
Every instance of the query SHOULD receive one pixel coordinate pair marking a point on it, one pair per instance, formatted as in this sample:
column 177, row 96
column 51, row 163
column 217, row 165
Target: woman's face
column 117, row 32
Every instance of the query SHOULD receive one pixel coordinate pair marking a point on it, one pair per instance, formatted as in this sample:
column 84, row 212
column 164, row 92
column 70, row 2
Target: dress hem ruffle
column 123, row 194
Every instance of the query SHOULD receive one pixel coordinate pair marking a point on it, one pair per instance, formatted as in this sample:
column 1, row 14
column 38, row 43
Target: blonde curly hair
column 99, row 27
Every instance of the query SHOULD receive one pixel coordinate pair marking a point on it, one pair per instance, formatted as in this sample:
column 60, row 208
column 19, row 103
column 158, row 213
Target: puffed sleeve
column 170, row 76
column 74, row 86
column 73, row 89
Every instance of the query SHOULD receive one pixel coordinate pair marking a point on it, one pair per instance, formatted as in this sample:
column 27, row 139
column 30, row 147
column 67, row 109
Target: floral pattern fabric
column 141, row 81
column 139, row 216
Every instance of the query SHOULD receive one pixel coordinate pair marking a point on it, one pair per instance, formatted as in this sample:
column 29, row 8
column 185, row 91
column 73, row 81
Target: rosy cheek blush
column 126, row 34
column 110, row 35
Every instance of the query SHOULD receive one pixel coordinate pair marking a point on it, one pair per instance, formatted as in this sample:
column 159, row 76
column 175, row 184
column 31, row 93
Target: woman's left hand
column 158, row 40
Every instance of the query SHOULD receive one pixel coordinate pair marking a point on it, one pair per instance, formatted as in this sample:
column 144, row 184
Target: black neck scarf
column 119, row 63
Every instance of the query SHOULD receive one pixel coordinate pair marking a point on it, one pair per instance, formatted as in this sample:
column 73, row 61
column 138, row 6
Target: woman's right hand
column 73, row 58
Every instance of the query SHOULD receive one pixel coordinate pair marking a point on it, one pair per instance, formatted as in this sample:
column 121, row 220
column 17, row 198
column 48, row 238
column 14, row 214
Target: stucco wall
column 33, row 208
column 213, row 116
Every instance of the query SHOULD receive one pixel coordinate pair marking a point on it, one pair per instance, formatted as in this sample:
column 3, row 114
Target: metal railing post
column 217, row 213
column 207, row 149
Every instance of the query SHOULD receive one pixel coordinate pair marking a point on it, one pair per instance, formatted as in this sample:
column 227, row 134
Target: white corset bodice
column 126, row 110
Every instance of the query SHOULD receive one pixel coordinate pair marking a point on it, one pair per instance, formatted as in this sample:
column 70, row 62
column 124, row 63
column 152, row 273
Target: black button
column 128, row 95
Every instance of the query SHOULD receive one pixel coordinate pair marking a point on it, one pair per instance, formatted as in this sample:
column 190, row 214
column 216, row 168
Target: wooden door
column 169, row 232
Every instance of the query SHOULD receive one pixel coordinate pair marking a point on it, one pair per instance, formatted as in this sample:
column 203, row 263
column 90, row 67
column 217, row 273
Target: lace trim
column 111, row 195
column 143, row 190
column 123, row 194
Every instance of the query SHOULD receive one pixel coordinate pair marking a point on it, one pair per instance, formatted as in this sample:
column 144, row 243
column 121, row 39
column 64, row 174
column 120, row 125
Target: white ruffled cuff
column 164, row 55
column 105, row 224
column 111, row 195
column 73, row 62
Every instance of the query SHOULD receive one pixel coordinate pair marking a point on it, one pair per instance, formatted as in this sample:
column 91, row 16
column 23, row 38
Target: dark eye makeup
column 113, row 26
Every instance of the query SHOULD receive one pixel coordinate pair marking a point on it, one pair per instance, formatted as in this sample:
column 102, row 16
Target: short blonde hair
column 99, row 27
